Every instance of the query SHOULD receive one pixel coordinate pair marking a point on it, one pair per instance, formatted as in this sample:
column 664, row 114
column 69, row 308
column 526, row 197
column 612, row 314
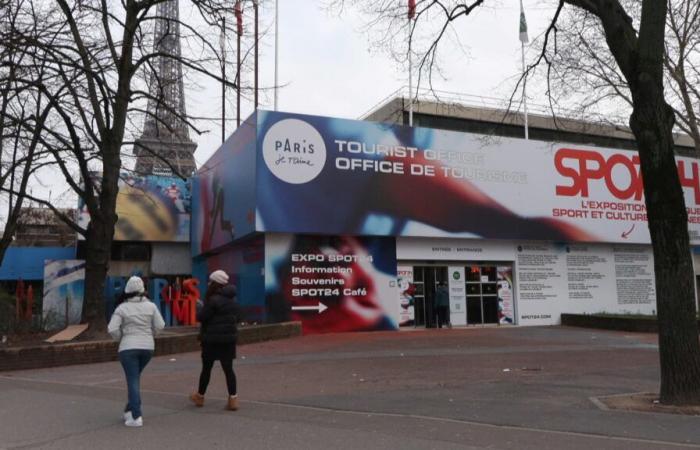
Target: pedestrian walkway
column 502, row 388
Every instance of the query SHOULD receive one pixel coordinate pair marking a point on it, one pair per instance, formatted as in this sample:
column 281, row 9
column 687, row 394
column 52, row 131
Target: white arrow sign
column 320, row 308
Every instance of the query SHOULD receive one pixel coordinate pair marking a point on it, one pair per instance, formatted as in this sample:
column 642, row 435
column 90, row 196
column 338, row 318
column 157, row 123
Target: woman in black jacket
column 219, row 329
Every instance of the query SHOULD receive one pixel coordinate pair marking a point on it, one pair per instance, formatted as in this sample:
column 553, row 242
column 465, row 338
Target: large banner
column 506, row 305
column 344, row 177
column 332, row 283
column 407, row 291
column 150, row 208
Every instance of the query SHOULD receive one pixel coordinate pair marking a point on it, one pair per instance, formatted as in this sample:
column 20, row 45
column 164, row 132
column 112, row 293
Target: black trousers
column 211, row 354
column 442, row 313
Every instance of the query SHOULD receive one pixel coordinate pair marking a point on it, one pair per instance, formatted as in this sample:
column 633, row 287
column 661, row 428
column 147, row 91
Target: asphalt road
column 495, row 388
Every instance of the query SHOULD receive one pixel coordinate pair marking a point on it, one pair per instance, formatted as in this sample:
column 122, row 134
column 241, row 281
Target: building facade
column 352, row 225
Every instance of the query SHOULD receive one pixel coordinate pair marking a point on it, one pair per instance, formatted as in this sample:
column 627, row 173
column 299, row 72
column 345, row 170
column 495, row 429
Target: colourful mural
column 224, row 192
column 64, row 288
column 150, row 208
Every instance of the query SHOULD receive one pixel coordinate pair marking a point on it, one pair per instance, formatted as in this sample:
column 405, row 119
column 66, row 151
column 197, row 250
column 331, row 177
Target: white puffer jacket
column 135, row 323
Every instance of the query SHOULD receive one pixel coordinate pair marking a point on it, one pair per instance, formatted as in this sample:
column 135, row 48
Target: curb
column 631, row 324
column 616, row 323
column 55, row 355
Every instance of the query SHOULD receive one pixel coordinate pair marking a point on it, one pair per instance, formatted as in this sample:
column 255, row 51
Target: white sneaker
column 128, row 416
column 131, row 422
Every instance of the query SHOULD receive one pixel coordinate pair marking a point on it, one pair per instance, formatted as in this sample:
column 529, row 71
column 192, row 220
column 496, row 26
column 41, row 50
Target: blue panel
column 114, row 286
column 27, row 263
column 156, row 286
column 224, row 192
column 244, row 262
column 199, row 271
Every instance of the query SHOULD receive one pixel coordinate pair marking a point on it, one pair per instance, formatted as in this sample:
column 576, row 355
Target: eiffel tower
column 165, row 147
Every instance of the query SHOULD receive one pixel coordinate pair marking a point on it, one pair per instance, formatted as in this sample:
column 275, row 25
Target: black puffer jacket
column 219, row 317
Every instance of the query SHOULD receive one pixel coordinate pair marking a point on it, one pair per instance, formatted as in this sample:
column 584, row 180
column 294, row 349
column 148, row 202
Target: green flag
column 523, row 25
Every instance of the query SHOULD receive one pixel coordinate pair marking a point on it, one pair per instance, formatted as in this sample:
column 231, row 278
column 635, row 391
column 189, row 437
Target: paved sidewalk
column 496, row 388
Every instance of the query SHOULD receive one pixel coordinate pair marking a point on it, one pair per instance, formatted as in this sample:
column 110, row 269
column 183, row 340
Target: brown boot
column 232, row 403
column 197, row 399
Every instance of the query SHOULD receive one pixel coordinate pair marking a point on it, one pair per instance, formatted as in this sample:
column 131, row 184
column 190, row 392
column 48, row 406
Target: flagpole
column 238, row 79
column 239, row 32
column 524, row 39
column 222, row 44
column 255, row 4
column 522, row 52
column 277, row 46
column 410, row 77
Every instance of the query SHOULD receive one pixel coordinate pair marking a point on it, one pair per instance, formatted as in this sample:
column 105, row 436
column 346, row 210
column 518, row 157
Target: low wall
column 65, row 354
column 618, row 323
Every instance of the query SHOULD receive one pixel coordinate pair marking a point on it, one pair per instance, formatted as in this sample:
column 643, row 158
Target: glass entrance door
column 482, row 294
column 426, row 279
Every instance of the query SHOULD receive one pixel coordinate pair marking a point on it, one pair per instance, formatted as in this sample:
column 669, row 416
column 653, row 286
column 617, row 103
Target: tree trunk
column 679, row 349
column 98, row 244
column 639, row 55
column 97, row 254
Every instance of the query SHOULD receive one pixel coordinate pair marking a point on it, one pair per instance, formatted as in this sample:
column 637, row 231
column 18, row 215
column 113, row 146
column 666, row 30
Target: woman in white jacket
column 134, row 324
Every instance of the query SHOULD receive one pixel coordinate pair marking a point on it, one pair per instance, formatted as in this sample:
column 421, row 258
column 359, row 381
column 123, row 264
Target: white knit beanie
column 134, row 286
column 219, row 276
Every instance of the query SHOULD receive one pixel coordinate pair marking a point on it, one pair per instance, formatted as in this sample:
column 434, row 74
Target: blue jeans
column 133, row 362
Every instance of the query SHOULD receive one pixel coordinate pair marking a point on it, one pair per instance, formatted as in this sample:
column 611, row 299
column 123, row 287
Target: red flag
column 239, row 17
column 411, row 9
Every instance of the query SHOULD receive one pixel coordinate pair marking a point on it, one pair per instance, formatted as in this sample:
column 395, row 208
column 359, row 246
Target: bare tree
column 98, row 58
column 639, row 54
column 682, row 62
column 583, row 71
column 23, row 113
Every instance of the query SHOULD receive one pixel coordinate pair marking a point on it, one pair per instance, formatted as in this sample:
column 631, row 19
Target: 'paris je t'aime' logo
column 294, row 151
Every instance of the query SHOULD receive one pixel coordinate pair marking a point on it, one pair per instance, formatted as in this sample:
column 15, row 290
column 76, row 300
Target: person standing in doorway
column 134, row 324
column 218, row 315
column 442, row 304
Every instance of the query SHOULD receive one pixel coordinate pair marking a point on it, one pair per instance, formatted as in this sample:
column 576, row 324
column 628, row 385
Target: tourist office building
column 351, row 225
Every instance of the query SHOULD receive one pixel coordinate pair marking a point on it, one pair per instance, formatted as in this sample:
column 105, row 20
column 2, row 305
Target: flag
column 411, row 9
column 239, row 17
column 523, row 25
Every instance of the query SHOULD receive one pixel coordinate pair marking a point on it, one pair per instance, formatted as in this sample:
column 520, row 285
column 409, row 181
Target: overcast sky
column 327, row 69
